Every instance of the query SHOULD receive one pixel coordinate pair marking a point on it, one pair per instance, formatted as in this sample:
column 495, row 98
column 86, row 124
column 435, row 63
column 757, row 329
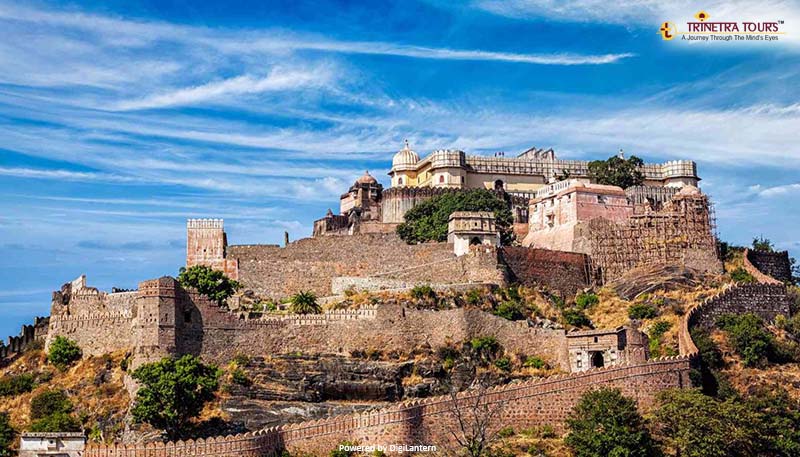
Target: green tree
column 616, row 171
column 781, row 421
column 304, row 302
column 605, row 423
column 51, row 412
column 209, row 282
column 749, row 338
column 691, row 424
column 173, row 391
column 428, row 220
column 7, row 434
column 63, row 352
column 763, row 244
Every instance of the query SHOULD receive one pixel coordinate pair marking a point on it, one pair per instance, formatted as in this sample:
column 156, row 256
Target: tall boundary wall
column 428, row 421
column 28, row 336
column 523, row 404
column 768, row 267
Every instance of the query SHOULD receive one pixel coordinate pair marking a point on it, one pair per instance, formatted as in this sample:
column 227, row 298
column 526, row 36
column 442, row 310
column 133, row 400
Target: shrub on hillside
column 534, row 362
column 423, row 292
column 746, row 332
column 576, row 318
column 209, row 282
column 586, row 300
column 691, row 424
column 16, row 384
column 503, row 363
column 606, row 423
column 486, row 348
column 173, row 391
column 642, row 311
column 510, row 310
column 428, row 220
column 63, row 352
column 51, row 412
column 7, row 434
column 740, row 275
column 656, row 331
column 304, row 302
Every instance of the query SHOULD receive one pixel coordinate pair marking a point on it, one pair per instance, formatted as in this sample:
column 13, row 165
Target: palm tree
column 305, row 302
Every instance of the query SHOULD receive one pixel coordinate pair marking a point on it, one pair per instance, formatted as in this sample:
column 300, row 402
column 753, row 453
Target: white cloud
column 62, row 175
column 279, row 79
column 775, row 191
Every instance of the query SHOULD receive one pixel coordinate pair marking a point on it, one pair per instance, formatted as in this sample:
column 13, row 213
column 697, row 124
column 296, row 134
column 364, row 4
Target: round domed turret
column 366, row 179
column 405, row 159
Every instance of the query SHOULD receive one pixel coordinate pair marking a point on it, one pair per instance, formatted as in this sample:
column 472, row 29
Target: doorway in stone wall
column 596, row 359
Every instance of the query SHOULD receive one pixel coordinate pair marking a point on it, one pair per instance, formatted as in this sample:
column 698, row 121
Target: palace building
column 525, row 173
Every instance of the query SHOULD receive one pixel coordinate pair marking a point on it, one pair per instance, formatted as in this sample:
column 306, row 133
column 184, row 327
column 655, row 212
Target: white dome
column 405, row 159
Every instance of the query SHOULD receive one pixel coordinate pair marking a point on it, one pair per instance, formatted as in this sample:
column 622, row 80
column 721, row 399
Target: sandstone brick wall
column 764, row 300
column 430, row 421
column 96, row 334
column 217, row 335
column 681, row 233
column 311, row 263
column 567, row 272
column 774, row 265
column 28, row 335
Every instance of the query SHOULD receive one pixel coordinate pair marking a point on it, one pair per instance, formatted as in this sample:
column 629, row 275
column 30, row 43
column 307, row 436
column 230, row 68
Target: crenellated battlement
column 216, row 224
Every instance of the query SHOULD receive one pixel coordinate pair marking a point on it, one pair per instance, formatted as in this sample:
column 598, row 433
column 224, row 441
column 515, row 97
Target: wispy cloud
column 774, row 191
column 279, row 79
column 66, row 175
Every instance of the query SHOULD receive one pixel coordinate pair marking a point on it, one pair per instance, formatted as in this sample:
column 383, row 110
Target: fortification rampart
column 431, row 421
column 567, row 272
column 520, row 405
column 768, row 267
column 312, row 263
column 764, row 300
column 680, row 233
column 28, row 336
column 205, row 329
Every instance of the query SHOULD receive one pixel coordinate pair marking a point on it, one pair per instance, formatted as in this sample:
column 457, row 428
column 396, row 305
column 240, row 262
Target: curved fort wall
column 429, row 421
column 520, row 405
column 769, row 267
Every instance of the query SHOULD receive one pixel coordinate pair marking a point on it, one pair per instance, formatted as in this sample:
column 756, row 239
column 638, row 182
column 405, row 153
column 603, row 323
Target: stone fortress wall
column 29, row 336
column 520, row 405
column 775, row 265
column 681, row 232
column 567, row 272
column 313, row 263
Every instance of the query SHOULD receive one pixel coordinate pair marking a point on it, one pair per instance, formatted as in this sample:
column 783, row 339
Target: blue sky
column 120, row 119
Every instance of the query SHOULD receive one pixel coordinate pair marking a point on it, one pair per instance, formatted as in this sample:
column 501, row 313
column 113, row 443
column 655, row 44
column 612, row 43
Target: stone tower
column 205, row 245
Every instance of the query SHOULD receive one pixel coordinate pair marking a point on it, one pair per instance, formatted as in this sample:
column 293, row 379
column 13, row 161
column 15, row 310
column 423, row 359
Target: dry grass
column 98, row 398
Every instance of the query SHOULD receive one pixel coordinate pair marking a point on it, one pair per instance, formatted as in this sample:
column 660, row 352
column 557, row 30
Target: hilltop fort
column 572, row 235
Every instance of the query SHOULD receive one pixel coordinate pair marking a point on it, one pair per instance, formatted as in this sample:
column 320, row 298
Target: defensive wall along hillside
column 164, row 319
column 313, row 263
column 520, row 405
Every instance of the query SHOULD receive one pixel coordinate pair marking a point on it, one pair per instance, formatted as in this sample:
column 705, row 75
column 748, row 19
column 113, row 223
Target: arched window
column 400, row 181
column 498, row 185
column 475, row 241
column 441, row 179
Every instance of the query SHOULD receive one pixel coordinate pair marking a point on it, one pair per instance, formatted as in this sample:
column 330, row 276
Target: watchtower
column 472, row 228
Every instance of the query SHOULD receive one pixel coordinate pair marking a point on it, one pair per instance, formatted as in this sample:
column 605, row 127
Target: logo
column 705, row 30
column 667, row 31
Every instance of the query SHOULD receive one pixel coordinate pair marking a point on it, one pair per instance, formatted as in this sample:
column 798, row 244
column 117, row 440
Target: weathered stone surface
column 566, row 272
